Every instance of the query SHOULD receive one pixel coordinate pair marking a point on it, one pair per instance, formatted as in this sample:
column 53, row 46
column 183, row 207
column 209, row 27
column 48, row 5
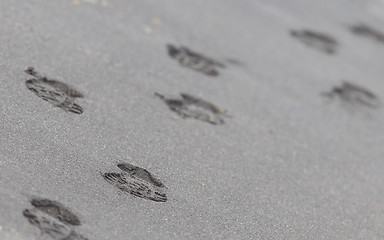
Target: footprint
column 353, row 95
column 193, row 60
column 367, row 31
column 141, row 173
column 56, row 210
column 57, row 93
column 53, row 220
column 193, row 107
column 138, row 182
column 320, row 41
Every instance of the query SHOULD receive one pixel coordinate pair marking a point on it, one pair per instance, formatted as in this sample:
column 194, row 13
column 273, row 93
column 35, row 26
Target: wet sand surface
column 197, row 119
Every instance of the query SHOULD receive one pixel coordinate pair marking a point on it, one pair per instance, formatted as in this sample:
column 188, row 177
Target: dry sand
column 298, row 154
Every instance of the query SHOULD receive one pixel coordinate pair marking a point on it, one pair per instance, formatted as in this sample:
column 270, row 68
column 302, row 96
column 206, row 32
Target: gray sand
column 289, row 162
